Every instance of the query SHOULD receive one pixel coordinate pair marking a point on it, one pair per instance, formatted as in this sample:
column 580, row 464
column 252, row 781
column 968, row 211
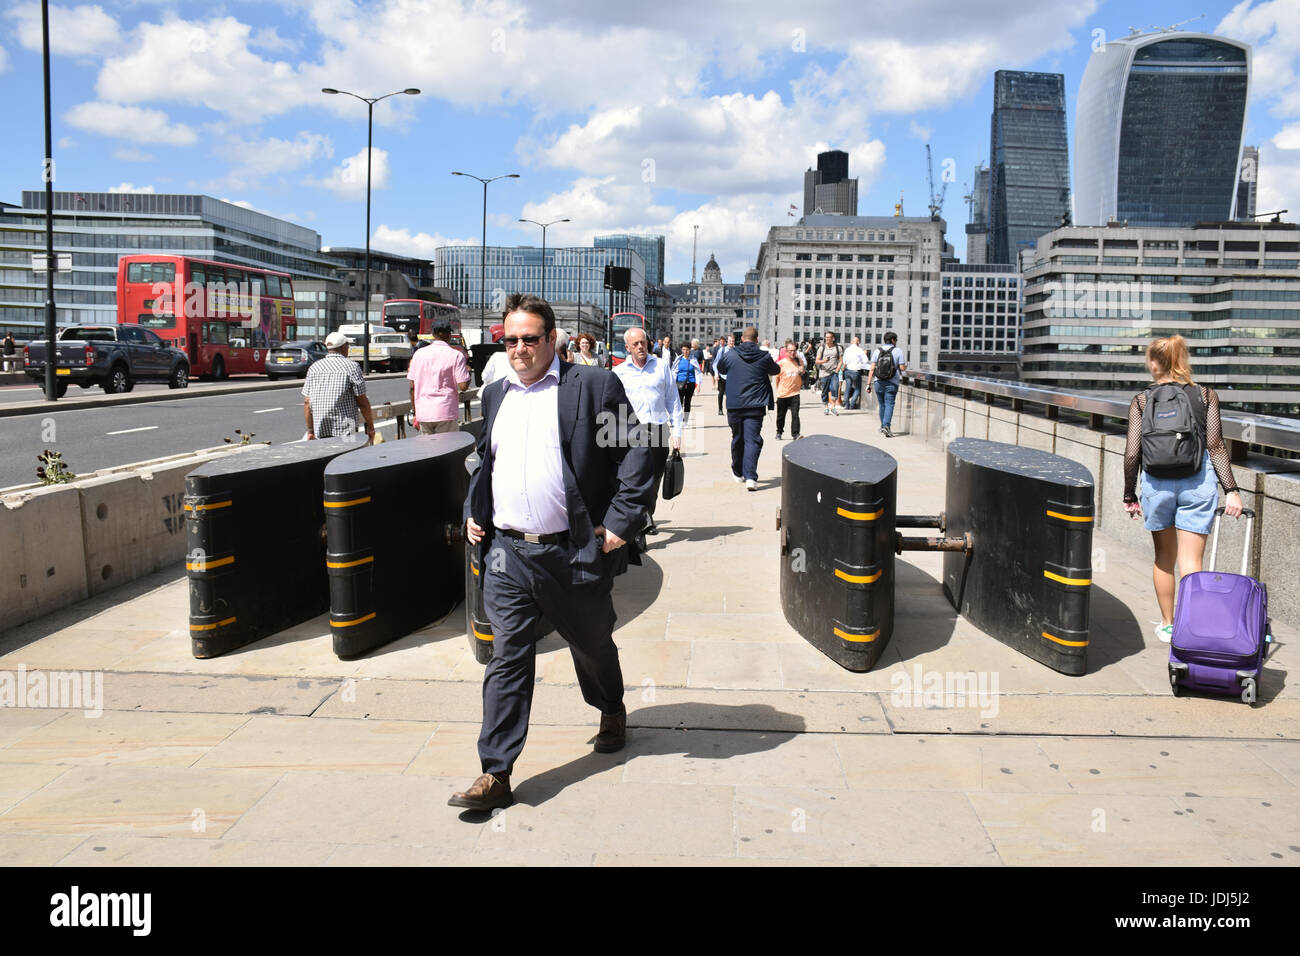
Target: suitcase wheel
column 1173, row 683
column 1248, row 691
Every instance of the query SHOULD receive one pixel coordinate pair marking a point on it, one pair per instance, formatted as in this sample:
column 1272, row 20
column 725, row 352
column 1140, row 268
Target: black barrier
column 1027, row 580
column 477, row 625
column 255, row 542
column 837, row 547
column 395, row 554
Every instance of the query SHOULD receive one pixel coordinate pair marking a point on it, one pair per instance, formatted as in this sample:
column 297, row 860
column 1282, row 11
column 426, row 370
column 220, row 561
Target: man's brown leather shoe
column 488, row 792
column 613, row 732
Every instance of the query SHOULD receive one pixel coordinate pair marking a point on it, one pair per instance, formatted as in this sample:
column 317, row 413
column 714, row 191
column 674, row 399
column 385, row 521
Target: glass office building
column 1159, row 130
column 575, row 274
column 98, row 228
column 649, row 248
column 1029, row 180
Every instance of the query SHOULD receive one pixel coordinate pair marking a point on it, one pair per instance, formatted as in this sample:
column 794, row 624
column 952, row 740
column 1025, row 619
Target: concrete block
column 1279, row 547
column 1035, row 432
column 41, row 539
column 1110, row 503
column 1003, row 425
column 975, row 419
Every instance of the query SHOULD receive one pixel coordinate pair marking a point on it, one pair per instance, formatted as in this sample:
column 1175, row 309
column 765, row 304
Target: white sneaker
column 751, row 484
column 1164, row 632
column 737, row 479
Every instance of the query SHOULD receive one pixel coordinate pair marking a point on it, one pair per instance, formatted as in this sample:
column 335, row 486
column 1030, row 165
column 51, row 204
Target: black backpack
column 885, row 367
column 1173, row 431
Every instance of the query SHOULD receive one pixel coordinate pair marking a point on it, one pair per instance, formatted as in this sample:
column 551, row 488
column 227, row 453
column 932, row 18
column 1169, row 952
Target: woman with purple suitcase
column 1178, row 497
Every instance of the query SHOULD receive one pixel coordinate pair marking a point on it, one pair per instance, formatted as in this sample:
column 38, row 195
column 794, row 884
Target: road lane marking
column 263, row 411
column 127, row 431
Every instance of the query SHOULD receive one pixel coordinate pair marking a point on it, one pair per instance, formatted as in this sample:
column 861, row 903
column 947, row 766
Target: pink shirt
column 436, row 371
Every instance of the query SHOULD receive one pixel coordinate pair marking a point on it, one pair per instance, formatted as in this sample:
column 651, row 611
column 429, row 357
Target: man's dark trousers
column 524, row 581
column 746, row 440
column 660, row 436
column 722, row 392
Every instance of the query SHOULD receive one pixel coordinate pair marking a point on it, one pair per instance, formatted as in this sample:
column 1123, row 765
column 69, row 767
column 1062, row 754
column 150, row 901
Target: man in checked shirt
column 333, row 393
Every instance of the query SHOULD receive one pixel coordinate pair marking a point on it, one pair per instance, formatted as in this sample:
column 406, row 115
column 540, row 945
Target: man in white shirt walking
column 651, row 388
column 855, row 363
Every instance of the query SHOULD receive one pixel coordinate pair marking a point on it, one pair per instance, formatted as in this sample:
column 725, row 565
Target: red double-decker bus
column 406, row 315
column 225, row 317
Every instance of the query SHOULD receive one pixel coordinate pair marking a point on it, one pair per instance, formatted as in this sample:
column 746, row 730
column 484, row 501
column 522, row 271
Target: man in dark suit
column 564, row 483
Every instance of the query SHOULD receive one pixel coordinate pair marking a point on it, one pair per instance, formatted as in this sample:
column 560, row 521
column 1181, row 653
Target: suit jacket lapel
column 567, row 402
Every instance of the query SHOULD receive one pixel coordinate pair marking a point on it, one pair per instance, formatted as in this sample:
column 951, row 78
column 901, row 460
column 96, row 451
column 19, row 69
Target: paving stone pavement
column 747, row 746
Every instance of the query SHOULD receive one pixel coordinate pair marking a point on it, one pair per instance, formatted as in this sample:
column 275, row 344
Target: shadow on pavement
column 1114, row 633
column 673, row 729
column 924, row 621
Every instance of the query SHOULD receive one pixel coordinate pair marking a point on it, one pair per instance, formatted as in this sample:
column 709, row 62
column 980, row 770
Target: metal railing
column 1241, row 430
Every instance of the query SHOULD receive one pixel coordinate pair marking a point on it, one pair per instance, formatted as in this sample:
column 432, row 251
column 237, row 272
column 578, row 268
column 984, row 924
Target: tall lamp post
column 370, row 102
column 482, row 255
column 544, row 226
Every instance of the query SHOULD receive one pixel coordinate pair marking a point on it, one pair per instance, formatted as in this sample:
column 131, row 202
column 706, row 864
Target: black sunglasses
column 511, row 341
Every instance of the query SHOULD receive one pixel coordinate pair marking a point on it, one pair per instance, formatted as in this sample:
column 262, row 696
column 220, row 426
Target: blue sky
column 620, row 117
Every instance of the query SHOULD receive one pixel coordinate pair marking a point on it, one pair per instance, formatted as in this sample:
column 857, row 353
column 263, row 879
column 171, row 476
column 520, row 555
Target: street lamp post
column 482, row 256
column 544, row 226
column 370, row 102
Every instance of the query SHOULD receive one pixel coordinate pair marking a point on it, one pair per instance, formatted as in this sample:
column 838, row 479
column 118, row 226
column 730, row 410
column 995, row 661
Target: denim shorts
column 1187, row 504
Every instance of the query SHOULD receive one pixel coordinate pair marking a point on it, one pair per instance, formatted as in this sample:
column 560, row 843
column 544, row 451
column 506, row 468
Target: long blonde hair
column 1170, row 355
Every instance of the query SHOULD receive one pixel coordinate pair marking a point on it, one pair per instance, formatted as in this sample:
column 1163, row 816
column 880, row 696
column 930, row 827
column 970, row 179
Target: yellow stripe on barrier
column 209, row 565
column 347, row 504
column 1074, row 581
column 1057, row 514
column 480, row 635
column 210, row 507
column 349, row 564
column 212, row 627
column 360, row 620
column 858, row 578
column 860, row 515
column 857, row 638
column 1053, row 637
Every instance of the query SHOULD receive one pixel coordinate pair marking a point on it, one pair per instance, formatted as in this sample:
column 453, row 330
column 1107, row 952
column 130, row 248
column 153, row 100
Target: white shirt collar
column 512, row 376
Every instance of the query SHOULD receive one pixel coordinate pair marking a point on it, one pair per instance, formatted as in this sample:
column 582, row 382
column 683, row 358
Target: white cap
column 335, row 340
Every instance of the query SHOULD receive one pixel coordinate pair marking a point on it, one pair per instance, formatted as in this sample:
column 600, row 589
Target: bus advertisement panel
column 225, row 317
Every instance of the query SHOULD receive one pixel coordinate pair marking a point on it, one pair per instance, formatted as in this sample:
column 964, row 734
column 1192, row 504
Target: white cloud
column 1279, row 173
column 130, row 122
column 74, row 31
column 1273, row 30
column 923, row 133
column 257, row 159
column 728, row 145
column 202, row 63
column 348, row 181
column 130, row 155
column 130, row 188
column 419, row 245
column 1288, row 137
column 4, row 59
column 66, row 142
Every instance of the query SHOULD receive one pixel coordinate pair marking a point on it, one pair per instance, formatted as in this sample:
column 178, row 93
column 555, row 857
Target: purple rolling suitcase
column 1220, row 628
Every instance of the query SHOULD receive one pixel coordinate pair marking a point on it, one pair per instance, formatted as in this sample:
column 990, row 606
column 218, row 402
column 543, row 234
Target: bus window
column 199, row 276
column 286, row 289
column 151, row 272
column 215, row 333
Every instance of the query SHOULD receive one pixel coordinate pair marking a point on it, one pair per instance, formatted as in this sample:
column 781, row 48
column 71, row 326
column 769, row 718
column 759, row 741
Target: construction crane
column 936, row 201
column 1277, row 216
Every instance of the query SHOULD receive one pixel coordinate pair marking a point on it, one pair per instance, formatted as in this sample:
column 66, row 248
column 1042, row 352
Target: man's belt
column 557, row 538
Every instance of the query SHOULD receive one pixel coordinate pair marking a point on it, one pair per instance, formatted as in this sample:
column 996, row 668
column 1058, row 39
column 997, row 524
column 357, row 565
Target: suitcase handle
column 1249, row 515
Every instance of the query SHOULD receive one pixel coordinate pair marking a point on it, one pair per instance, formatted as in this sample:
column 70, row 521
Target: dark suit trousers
column 522, row 582
column 746, row 440
column 659, row 452
column 722, row 392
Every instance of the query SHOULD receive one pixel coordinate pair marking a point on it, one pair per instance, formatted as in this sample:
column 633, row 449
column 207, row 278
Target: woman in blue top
column 688, row 379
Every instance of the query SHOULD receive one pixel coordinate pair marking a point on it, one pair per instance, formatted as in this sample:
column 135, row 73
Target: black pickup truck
column 114, row 357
